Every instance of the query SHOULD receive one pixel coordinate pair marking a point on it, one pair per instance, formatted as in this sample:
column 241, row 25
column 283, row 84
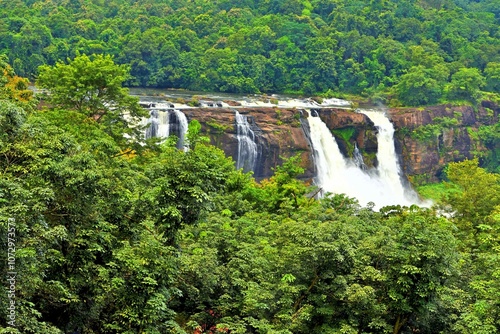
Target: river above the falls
column 205, row 99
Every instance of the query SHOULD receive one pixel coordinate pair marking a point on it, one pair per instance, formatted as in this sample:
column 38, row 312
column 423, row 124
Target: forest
column 109, row 233
column 404, row 52
column 103, row 231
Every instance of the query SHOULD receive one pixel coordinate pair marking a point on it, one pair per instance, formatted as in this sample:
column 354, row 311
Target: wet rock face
column 278, row 133
column 282, row 133
column 351, row 128
column 453, row 140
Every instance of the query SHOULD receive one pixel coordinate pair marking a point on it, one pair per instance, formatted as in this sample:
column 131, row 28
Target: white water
column 247, row 148
column 183, row 128
column 358, row 158
column 388, row 166
column 160, row 127
column 158, row 124
column 163, row 125
column 338, row 175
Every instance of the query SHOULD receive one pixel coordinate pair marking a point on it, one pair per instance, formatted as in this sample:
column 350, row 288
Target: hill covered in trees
column 416, row 52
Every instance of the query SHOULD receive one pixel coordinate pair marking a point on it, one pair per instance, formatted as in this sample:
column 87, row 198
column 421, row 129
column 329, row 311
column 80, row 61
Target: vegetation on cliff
column 420, row 52
column 168, row 241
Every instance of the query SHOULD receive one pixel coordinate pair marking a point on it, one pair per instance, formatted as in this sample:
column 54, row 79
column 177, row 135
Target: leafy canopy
column 92, row 86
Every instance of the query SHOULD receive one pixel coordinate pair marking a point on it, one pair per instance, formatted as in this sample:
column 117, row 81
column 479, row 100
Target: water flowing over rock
column 358, row 158
column 163, row 123
column 337, row 174
column 388, row 162
column 281, row 129
column 159, row 125
column 182, row 128
column 247, row 146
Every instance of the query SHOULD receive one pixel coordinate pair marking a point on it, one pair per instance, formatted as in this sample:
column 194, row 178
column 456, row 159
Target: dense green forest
column 408, row 52
column 111, row 234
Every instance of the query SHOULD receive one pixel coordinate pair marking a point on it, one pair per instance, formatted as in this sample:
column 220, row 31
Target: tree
column 477, row 195
column 93, row 86
column 417, row 87
column 466, row 84
column 492, row 73
column 475, row 207
column 12, row 87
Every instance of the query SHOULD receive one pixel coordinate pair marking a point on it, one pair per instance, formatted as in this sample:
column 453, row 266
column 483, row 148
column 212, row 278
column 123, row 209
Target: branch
column 129, row 150
column 313, row 283
column 399, row 324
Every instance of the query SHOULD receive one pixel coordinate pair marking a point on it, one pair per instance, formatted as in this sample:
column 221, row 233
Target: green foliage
column 93, row 87
column 429, row 132
column 466, row 84
column 480, row 193
column 175, row 241
column 492, row 74
column 419, row 86
column 489, row 135
column 345, row 133
column 220, row 128
column 475, row 212
column 14, row 88
column 434, row 191
column 402, row 48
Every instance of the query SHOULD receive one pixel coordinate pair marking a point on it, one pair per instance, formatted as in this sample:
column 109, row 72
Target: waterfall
column 358, row 158
column 183, row 127
column 388, row 164
column 158, row 124
column 247, row 148
column 152, row 121
column 161, row 125
column 337, row 174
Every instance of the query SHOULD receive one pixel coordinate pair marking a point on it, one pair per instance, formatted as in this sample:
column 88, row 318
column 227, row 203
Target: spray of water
column 337, row 174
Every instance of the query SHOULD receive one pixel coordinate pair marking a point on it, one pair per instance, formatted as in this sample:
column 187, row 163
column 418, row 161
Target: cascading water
column 337, row 174
column 388, row 165
column 158, row 124
column 183, row 127
column 152, row 122
column 358, row 158
column 161, row 125
column 247, row 148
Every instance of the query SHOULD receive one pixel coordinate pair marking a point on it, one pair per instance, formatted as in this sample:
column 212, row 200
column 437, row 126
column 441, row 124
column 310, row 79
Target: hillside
column 198, row 216
column 416, row 52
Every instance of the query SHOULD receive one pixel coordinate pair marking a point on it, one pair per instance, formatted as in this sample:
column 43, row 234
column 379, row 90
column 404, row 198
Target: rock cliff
column 279, row 134
column 429, row 138
column 426, row 138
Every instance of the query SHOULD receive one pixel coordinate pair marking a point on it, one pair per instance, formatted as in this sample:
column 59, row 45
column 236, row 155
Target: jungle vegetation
column 127, row 236
column 405, row 52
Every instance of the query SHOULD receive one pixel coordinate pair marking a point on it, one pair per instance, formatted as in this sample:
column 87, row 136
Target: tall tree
column 93, row 87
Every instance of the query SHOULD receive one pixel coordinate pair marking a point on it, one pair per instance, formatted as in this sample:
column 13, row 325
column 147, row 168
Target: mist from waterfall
column 337, row 174
column 247, row 147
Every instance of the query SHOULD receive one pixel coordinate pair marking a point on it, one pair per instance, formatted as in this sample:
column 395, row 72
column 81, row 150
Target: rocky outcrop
column 429, row 138
column 426, row 138
column 279, row 134
column 348, row 128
